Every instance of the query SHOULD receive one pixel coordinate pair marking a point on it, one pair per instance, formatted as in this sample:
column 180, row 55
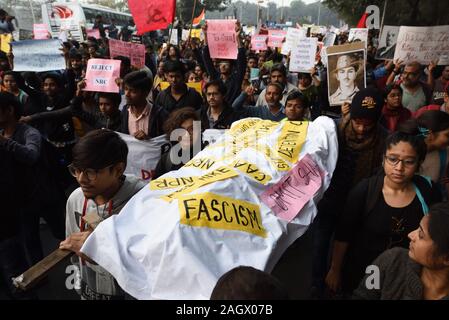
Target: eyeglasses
column 90, row 174
column 394, row 161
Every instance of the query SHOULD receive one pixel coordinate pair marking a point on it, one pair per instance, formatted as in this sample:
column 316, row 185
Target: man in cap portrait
column 346, row 72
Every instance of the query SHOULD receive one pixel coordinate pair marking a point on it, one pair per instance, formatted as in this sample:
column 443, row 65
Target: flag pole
column 193, row 17
column 172, row 25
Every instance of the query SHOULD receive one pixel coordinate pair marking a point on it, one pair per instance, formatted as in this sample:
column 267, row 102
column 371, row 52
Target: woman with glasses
column 380, row 211
column 420, row 272
column 433, row 126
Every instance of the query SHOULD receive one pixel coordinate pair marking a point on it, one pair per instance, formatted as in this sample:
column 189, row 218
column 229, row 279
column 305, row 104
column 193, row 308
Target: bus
column 74, row 16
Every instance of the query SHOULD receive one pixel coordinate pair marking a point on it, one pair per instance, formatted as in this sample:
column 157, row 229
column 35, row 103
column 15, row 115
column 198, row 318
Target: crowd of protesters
column 392, row 166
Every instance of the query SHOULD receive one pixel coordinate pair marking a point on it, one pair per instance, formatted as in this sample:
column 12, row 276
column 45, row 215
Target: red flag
column 362, row 21
column 152, row 15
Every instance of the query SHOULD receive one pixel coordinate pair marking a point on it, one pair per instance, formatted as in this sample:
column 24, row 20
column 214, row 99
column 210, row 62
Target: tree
column 399, row 12
column 184, row 8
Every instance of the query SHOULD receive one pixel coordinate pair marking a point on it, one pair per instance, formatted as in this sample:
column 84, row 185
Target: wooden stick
column 193, row 17
column 32, row 276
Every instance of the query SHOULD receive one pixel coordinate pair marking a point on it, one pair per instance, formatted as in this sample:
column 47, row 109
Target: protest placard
column 329, row 39
column 38, row 55
column 101, row 75
column 134, row 51
column 40, row 31
column 194, row 85
column 221, row 39
column 345, row 72
column 254, row 74
column 259, row 43
column 196, row 33
column 287, row 197
column 185, row 34
column 302, row 57
column 291, row 39
column 150, row 15
column 422, row 44
column 276, row 38
column 94, row 33
column 5, row 40
column 174, row 37
column 358, row 34
column 387, row 43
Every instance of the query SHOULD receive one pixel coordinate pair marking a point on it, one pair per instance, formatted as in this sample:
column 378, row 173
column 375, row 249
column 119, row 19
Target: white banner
column 302, row 58
column 38, row 55
column 422, row 44
column 174, row 37
column 292, row 38
column 177, row 236
column 143, row 155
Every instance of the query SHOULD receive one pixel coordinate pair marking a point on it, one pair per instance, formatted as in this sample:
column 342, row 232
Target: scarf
column 368, row 151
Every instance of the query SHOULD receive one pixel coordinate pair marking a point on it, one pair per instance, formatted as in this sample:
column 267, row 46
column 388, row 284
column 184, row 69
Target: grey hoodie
column 97, row 283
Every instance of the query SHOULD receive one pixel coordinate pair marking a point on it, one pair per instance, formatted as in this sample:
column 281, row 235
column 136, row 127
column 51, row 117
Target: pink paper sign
column 221, row 39
column 287, row 197
column 95, row 33
column 276, row 38
column 40, row 31
column 101, row 75
column 259, row 43
column 134, row 51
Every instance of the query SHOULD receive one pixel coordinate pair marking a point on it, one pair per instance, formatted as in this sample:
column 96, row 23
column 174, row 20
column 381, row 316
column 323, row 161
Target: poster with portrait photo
column 358, row 34
column 346, row 73
column 387, row 43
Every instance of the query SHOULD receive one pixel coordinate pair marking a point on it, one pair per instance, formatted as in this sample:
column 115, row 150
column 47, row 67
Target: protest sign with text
column 221, row 39
column 40, row 31
column 150, row 15
column 134, row 51
column 101, row 75
column 38, row 55
column 302, row 57
column 422, row 44
column 94, row 33
column 291, row 39
column 276, row 38
column 259, row 43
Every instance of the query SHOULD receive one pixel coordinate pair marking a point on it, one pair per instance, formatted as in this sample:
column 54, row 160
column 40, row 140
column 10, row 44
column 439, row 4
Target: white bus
column 73, row 15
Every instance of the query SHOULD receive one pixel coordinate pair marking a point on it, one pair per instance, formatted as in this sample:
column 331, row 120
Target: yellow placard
column 276, row 161
column 251, row 170
column 215, row 175
column 201, row 163
column 194, row 85
column 5, row 40
column 291, row 139
column 209, row 210
column 171, row 183
column 196, row 33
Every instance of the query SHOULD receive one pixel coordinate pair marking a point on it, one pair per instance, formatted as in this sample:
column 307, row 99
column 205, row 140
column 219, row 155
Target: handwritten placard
column 38, row 55
column 287, row 197
column 94, row 33
column 276, row 38
column 259, row 43
column 5, row 40
column 422, row 44
column 222, row 39
column 303, row 56
column 292, row 38
column 101, row 75
column 134, row 51
column 40, row 31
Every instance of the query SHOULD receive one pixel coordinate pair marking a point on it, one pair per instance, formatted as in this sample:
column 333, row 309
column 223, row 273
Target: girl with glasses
column 380, row 211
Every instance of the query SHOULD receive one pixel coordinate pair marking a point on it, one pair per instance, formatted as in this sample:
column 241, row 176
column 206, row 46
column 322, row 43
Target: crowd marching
column 60, row 155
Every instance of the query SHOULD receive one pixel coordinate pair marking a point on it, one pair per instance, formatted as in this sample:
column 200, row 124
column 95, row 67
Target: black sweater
column 155, row 125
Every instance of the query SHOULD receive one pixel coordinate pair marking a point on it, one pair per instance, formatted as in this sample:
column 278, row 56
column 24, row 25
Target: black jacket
column 190, row 99
column 156, row 121
column 234, row 83
column 225, row 120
